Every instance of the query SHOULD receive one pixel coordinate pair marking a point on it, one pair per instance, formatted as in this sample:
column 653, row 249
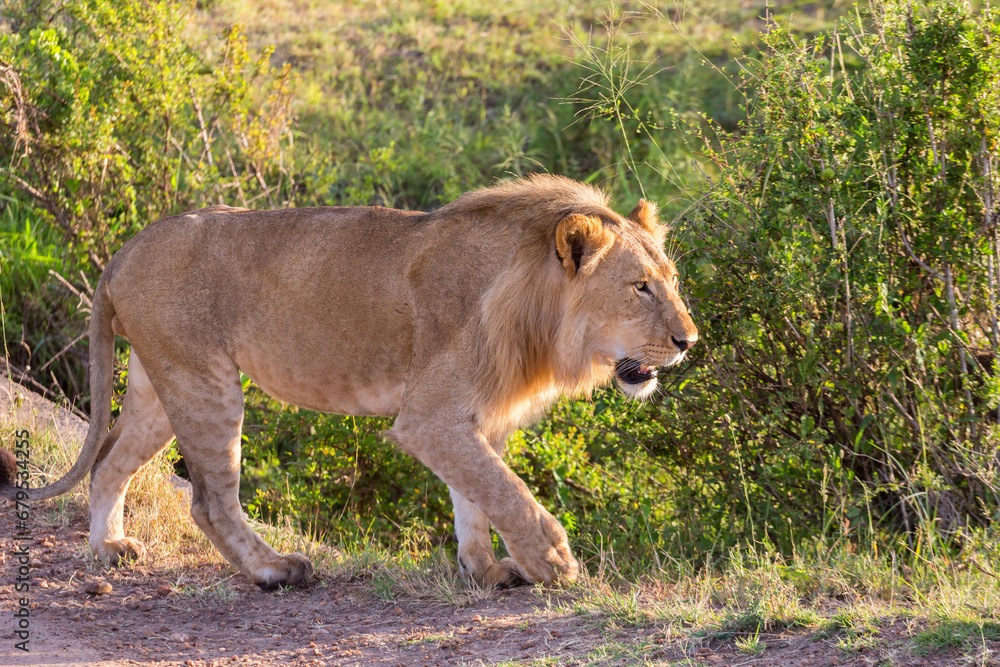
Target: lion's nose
column 683, row 344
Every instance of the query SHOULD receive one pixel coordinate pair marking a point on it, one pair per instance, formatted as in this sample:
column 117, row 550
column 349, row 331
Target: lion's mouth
column 632, row 371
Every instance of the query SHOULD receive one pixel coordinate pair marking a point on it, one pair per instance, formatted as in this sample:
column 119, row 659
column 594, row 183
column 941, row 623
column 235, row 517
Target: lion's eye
column 641, row 286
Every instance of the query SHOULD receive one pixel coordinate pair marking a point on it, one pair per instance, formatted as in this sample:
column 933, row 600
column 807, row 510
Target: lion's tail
column 102, row 353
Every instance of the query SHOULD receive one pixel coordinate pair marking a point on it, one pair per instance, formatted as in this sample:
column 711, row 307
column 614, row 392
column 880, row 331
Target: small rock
column 703, row 651
column 99, row 587
column 163, row 591
column 477, row 618
column 146, row 605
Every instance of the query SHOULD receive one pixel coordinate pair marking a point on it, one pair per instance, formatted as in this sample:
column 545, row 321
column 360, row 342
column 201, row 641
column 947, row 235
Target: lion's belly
column 349, row 377
column 344, row 396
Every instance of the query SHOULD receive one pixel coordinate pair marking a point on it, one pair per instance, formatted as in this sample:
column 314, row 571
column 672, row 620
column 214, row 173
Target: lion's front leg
column 475, row 548
column 463, row 459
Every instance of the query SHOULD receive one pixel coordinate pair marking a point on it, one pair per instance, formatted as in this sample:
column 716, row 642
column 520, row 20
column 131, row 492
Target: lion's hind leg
column 142, row 430
column 475, row 548
column 207, row 414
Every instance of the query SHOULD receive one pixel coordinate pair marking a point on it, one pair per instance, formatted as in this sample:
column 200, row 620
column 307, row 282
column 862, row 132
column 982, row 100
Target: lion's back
column 321, row 289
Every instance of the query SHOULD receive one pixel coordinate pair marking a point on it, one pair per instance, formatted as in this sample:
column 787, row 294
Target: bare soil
column 210, row 616
column 207, row 615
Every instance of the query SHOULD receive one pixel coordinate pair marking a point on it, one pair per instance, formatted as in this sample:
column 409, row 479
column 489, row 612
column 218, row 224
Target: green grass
column 853, row 628
column 218, row 592
column 751, row 644
column 31, row 247
column 953, row 633
column 409, row 105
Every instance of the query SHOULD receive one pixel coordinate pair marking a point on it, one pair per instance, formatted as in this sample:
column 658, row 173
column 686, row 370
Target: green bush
column 112, row 120
column 336, row 475
column 842, row 265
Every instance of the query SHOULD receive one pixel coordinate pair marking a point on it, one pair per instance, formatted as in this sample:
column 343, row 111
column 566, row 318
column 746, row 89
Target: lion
column 464, row 323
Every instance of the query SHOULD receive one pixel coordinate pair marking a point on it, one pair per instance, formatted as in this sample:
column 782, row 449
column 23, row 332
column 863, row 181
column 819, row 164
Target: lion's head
column 589, row 295
column 624, row 288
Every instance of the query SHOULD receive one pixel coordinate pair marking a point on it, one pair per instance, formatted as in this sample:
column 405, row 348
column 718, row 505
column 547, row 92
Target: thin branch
column 63, row 351
column 84, row 299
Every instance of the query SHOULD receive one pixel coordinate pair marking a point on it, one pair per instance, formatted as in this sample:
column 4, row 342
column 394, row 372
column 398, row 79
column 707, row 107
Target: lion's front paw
column 118, row 552
column 543, row 555
column 286, row 570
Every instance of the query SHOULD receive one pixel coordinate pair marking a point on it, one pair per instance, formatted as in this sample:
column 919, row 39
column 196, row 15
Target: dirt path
column 210, row 616
column 205, row 615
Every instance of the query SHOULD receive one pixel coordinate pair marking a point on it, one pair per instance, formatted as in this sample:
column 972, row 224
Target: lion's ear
column 581, row 241
column 644, row 214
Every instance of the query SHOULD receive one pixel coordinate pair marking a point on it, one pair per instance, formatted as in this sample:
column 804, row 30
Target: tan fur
column 464, row 323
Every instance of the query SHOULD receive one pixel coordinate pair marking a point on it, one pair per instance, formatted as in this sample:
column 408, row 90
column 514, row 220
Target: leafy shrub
column 842, row 264
column 336, row 475
column 112, row 120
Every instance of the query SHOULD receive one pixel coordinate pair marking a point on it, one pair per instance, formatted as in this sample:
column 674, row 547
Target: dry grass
column 156, row 510
column 157, row 505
